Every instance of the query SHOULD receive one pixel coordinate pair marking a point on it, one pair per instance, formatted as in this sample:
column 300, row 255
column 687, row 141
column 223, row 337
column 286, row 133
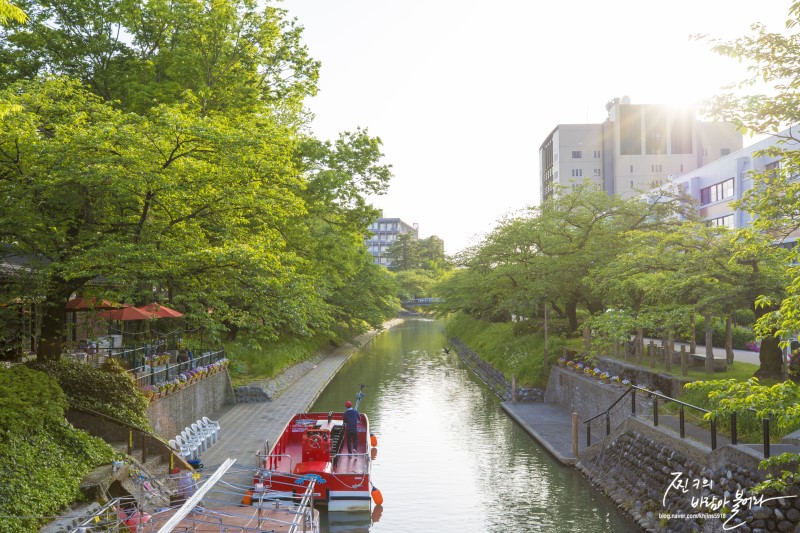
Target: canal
column 448, row 457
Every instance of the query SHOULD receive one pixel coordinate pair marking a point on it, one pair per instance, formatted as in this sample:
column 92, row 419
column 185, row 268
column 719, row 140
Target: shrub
column 742, row 335
column 43, row 457
column 109, row 390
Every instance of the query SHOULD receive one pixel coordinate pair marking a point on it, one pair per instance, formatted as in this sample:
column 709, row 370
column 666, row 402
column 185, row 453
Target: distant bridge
column 416, row 302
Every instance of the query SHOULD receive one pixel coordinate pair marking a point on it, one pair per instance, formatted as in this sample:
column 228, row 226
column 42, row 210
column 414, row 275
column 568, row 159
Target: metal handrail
column 610, row 406
column 173, row 454
column 151, row 376
column 681, row 418
column 655, row 395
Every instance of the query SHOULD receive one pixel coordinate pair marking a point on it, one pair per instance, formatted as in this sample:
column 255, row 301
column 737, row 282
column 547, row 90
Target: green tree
column 10, row 13
column 226, row 54
column 404, row 253
column 189, row 201
column 774, row 199
column 202, row 188
column 548, row 254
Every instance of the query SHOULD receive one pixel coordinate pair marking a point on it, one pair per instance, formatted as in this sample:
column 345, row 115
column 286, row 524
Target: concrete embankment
column 660, row 479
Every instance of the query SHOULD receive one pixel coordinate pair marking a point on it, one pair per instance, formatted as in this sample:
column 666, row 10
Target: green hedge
column 109, row 390
column 741, row 334
column 42, row 457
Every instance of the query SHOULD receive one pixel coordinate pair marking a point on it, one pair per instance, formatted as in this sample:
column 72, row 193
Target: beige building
column 637, row 148
column 384, row 233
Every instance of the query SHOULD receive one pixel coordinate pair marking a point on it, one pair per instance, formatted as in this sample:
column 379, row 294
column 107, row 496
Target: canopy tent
column 156, row 310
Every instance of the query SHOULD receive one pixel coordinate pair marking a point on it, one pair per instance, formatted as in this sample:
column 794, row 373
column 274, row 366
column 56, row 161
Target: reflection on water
column 449, row 459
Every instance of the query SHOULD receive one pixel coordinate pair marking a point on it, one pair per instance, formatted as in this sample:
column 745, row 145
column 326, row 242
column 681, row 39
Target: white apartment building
column 716, row 185
column 637, row 148
column 384, row 233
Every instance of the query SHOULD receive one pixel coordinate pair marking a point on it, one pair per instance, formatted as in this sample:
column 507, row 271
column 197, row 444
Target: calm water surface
column 449, row 459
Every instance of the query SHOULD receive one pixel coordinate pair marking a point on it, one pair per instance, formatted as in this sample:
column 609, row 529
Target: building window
column 596, row 172
column 631, row 184
column 724, row 151
column 681, row 167
column 577, row 172
column 631, row 168
column 655, row 168
column 726, row 221
column 597, row 154
column 718, row 191
column 576, row 154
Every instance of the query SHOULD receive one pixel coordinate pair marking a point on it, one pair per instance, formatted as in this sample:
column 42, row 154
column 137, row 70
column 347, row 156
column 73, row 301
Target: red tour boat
column 312, row 447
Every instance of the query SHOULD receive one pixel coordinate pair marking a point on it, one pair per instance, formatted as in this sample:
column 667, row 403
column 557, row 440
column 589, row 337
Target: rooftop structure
column 636, row 149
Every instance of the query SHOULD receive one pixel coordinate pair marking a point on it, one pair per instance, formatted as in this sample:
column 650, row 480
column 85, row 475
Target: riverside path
column 246, row 427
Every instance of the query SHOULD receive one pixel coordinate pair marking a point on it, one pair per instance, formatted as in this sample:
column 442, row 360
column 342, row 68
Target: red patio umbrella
column 156, row 310
column 126, row 313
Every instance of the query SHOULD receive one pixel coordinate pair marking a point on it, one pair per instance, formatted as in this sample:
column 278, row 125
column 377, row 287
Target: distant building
column 384, row 233
column 716, row 185
column 636, row 149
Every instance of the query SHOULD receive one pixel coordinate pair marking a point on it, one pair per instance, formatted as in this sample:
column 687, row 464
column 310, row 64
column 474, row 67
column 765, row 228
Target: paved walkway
column 247, row 427
column 745, row 356
column 551, row 425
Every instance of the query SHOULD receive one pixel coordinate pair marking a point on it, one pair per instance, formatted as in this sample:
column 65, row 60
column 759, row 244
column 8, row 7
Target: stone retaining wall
column 495, row 379
column 668, row 484
column 636, row 464
column 665, row 383
column 589, row 396
column 170, row 414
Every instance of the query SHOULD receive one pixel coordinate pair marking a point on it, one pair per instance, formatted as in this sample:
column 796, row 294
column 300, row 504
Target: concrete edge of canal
column 349, row 349
column 553, row 427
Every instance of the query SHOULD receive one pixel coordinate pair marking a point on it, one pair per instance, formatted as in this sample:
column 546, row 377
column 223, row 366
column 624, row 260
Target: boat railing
column 270, row 461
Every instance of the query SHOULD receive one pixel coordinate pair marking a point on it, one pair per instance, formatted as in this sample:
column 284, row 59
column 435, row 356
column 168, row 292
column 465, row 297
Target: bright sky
column 463, row 92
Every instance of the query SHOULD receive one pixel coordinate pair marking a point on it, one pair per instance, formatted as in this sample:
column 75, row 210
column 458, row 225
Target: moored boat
column 311, row 447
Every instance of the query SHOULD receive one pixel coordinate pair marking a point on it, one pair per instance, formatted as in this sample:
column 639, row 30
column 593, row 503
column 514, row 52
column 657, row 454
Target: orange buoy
column 373, row 439
column 248, row 498
column 377, row 497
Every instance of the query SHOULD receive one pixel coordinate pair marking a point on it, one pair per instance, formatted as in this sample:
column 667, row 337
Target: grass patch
column 738, row 370
column 254, row 360
column 496, row 343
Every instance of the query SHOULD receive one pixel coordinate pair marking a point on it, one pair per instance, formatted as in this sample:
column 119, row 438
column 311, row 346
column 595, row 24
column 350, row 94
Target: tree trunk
column 572, row 315
column 668, row 349
column 639, row 344
column 770, row 355
column 728, row 340
column 587, row 340
column 693, row 338
column 709, row 344
column 233, row 331
column 51, row 343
